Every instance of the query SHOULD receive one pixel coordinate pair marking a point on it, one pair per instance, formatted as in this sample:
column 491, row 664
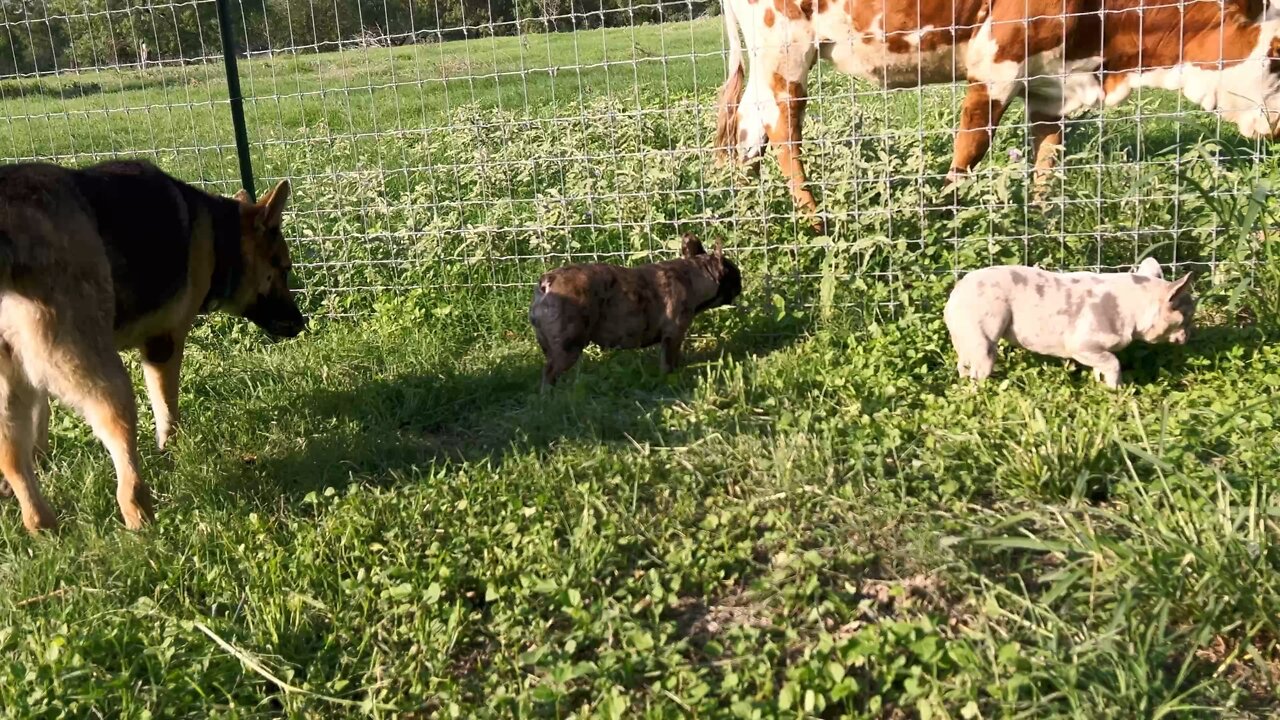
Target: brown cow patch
column 782, row 86
column 791, row 9
column 769, row 17
column 1111, row 81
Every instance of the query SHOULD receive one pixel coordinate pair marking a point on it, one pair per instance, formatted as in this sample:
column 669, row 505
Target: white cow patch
column 866, row 54
column 1002, row 77
column 786, row 48
column 757, row 112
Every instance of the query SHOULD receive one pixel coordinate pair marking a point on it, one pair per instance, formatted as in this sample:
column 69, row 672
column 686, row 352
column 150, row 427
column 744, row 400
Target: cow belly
column 874, row 62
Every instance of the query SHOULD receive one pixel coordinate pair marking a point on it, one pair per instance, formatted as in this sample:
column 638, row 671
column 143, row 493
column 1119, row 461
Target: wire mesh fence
column 468, row 144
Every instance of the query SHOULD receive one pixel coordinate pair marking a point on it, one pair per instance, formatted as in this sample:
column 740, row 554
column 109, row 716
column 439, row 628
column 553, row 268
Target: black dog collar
column 228, row 263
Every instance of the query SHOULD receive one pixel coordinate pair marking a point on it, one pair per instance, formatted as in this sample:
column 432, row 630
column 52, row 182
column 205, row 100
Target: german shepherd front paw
column 39, row 517
column 136, row 507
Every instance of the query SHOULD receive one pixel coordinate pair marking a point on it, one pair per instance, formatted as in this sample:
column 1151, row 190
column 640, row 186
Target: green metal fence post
column 233, row 93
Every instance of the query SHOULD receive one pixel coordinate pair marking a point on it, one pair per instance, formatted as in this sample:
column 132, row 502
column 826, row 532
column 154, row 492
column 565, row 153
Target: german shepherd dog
column 112, row 257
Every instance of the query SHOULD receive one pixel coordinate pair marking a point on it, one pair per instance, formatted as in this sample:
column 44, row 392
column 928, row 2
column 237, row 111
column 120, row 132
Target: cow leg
column 996, row 62
column 785, row 135
column 756, row 110
column 1046, row 141
column 773, row 103
column 979, row 117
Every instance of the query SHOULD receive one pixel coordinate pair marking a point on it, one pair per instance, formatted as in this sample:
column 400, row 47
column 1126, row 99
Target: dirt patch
column 471, row 660
column 702, row 621
column 1257, row 674
column 877, row 599
column 893, row 594
column 923, row 593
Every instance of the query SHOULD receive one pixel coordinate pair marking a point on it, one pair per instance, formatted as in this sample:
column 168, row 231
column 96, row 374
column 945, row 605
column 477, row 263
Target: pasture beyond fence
column 459, row 144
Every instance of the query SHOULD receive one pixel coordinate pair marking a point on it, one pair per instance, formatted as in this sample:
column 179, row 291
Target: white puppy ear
column 1150, row 268
column 1180, row 287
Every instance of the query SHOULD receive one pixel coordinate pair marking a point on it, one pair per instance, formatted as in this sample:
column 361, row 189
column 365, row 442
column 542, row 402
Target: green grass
column 813, row 519
column 397, row 517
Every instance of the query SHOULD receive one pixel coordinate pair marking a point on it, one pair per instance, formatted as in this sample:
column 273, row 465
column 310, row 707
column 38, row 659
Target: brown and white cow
column 1060, row 56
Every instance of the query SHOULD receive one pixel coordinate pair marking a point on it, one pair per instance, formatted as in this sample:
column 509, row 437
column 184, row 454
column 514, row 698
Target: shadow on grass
column 54, row 91
column 118, row 81
column 386, row 431
column 1143, row 363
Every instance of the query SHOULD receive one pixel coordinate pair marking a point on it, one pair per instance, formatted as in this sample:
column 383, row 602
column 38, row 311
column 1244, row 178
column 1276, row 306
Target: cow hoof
column 818, row 225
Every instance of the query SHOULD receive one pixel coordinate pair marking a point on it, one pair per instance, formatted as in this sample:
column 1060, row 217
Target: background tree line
column 48, row 35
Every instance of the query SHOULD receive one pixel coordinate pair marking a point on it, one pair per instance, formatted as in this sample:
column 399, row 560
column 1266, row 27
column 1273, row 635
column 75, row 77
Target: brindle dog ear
column 717, row 259
column 690, row 246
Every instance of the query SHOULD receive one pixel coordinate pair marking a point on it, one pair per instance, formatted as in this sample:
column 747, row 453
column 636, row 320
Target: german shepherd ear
column 690, row 246
column 243, row 196
column 272, row 206
column 718, row 251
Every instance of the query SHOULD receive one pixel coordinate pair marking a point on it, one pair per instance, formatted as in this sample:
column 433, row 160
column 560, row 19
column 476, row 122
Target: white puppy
column 1083, row 316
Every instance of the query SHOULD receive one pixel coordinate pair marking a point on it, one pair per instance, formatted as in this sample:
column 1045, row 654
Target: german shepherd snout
column 269, row 303
column 112, row 257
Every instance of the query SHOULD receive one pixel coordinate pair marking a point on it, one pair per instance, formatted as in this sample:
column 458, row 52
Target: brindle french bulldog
column 618, row 307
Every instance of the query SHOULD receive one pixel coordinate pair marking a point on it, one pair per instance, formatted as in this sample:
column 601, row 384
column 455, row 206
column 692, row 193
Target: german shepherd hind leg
column 18, row 401
column 65, row 347
column 40, row 416
column 40, row 431
column 86, row 373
